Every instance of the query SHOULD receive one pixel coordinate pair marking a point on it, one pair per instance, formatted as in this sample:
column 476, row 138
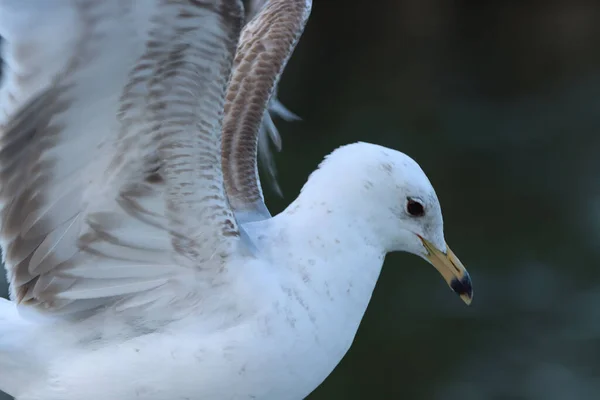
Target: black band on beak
column 462, row 286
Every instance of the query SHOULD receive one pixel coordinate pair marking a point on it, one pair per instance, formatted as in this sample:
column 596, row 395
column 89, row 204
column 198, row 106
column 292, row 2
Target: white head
column 388, row 194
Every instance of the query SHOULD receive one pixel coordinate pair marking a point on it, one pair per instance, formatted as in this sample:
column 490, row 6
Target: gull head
column 393, row 201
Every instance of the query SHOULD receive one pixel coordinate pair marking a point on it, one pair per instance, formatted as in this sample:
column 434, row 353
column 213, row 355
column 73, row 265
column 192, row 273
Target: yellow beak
column 455, row 274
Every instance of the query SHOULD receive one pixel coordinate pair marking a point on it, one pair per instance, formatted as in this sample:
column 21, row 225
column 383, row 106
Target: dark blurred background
column 499, row 102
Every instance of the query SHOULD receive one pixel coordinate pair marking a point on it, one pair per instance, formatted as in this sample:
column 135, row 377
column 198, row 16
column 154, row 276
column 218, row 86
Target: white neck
column 333, row 245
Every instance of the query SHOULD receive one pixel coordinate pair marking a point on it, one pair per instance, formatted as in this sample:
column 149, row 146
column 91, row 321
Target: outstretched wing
column 266, row 44
column 110, row 120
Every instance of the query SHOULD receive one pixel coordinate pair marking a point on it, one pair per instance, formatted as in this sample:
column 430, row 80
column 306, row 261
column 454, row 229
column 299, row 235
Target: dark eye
column 415, row 208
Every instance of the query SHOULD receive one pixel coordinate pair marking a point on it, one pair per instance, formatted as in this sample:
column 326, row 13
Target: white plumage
column 132, row 276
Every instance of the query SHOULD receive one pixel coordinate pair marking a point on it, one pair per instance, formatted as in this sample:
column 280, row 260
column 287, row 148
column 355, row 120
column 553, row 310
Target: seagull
column 142, row 260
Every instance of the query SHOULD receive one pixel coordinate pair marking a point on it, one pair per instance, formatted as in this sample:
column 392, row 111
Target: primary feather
column 259, row 64
column 109, row 152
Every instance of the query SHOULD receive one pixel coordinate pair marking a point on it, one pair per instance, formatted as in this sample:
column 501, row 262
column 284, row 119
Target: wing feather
column 266, row 44
column 110, row 121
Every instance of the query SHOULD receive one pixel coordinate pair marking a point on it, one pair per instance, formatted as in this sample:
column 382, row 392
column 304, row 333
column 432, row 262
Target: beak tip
column 467, row 299
column 463, row 288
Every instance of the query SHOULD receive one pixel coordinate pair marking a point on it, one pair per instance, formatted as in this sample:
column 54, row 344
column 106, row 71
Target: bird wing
column 110, row 124
column 266, row 44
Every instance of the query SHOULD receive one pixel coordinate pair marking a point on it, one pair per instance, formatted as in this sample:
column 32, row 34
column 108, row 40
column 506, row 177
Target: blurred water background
column 499, row 102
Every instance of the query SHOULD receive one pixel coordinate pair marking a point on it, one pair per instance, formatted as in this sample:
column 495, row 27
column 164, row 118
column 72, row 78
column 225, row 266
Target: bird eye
column 415, row 208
